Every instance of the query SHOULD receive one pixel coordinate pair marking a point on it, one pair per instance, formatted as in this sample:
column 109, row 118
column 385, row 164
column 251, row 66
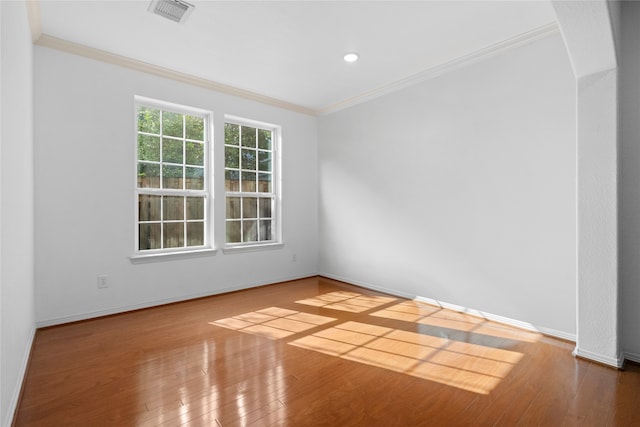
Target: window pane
column 173, row 208
column 232, row 181
column 265, row 230
column 171, row 151
column 195, row 207
column 264, row 183
column 195, row 233
column 249, row 159
column 171, row 154
column 195, row 153
column 171, row 176
column 233, row 207
column 148, row 175
column 149, row 148
column 172, row 124
column 148, row 120
column 231, row 157
column 264, row 161
column 231, row 134
column 265, row 207
column 149, row 236
column 195, row 178
column 249, row 207
column 233, row 232
column 264, row 139
column 149, row 208
column 250, row 231
column 195, row 127
column 249, row 181
column 249, row 166
column 174, row 235
column 248, row 137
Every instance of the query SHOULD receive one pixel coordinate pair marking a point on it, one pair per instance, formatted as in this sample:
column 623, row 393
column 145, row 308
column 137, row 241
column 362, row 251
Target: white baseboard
column 489, row 316
column 634, row 357
column 13, row 405
column 501, row 319
column 615, row 362
column 148, row 304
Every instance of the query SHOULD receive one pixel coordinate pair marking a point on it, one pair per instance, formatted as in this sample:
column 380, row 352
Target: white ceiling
column 292, row 50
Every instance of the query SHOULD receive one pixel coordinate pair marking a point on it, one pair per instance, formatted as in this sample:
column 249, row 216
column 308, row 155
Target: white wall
column 597, row 301
column 16, row 191
column 629, row 93
column 84, row 160
column 587, row 32
column 461, row 189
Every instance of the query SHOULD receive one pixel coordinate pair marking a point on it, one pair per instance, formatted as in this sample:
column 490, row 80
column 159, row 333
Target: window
column 250, row 182
column 172, row 189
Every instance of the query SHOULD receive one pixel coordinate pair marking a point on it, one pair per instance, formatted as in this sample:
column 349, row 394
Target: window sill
column 166, row 256
column 252, row 248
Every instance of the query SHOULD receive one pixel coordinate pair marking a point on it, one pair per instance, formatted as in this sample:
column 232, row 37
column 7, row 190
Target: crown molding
column 45, row 40
column 33, row 15
column 51, row 42
column 479, row 55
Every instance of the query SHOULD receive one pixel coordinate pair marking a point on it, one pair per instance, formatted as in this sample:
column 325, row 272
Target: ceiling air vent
column 176, row 10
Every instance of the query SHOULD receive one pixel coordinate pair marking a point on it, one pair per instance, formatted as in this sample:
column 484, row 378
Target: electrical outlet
column 102, row 281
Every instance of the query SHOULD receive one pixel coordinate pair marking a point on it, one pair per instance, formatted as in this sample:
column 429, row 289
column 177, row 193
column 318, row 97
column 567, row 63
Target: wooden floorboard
column 314, row 352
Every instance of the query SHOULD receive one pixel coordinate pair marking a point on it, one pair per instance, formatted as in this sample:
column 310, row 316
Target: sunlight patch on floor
column 470, row 367
column 347, row 301
column 273, row 322
column 426, row 314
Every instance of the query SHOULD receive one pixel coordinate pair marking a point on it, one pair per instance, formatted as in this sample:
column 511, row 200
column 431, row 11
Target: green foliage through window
column 248, row 182
column 171, row 150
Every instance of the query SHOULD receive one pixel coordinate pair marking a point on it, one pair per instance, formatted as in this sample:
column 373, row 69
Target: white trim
column 206, row 192
column 634, row 357
column 141, row 257
column 13, row 404
column 251, row 248
column 149, row 304
column 51, row 42
column 500, row 319
column 35, row 20
column 555, row 333
column 276, row 190
column 463, row 61
column 237, row 120
column 145, row 101
column 606, row 360
column 489, row 316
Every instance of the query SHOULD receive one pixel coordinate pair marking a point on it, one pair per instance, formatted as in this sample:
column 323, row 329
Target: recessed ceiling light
column 351, row 57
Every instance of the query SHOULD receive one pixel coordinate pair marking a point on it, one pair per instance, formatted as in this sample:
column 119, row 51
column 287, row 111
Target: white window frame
column 276, row 189
column 206, row 192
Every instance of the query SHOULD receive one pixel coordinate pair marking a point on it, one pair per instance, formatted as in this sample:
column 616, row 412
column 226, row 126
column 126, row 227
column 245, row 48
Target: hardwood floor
column 314, row 352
